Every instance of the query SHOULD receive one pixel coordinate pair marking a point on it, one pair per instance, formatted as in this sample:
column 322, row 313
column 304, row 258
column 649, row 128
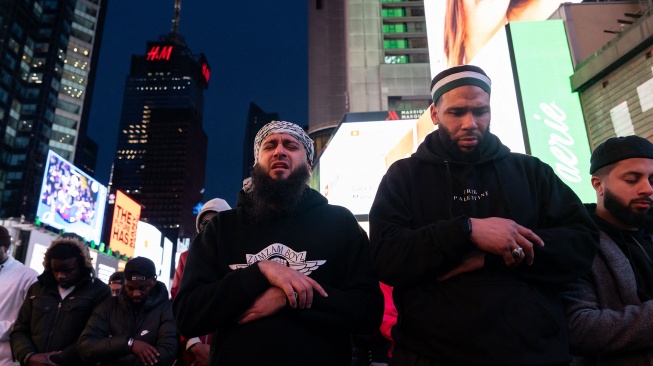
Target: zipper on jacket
column 56, row 321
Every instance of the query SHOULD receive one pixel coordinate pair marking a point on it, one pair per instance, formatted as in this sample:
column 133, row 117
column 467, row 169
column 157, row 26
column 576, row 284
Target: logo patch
column 144, row 332
column 281, row 253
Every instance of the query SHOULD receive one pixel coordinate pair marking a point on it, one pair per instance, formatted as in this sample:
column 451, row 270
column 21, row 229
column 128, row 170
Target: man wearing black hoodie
column 285, row 278
column 476, row 240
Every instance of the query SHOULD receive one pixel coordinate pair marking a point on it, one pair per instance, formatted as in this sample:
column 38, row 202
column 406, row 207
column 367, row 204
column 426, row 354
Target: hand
column 145, row 352
column 500, row 236
column 270, row 302
column 291, row 282
column 201, row 352
column 42, row 359
column 473, row 261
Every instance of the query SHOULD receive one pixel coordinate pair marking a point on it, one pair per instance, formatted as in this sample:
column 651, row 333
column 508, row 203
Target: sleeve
column 21, row 334
column 95, row 343
column 167, row 342
column 594, row 331
column 211, row 293
column 357, row 304
column 389, row 313
column 179, row 272
column 403, row 254
column 570, row 235
column 25, row 281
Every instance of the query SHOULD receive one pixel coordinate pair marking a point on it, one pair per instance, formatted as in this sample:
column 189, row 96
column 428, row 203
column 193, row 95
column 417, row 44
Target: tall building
column 368, row 55
column 48, row 53
column 256, row 118
column 160, row 160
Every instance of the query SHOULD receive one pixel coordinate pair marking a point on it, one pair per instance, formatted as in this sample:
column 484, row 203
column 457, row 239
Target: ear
column 434, row 114
column 598, row 184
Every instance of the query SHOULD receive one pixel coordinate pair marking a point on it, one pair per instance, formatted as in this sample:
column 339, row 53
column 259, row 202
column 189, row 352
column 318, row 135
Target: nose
column 469, row 122
column 646, row 188
column 279, row 150
column 60, row 275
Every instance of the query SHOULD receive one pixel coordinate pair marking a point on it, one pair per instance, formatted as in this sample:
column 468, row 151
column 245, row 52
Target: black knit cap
column 616, row 149
column 139, row 268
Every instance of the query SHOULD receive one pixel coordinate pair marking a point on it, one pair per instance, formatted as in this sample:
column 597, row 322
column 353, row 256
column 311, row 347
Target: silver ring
column 517, row 252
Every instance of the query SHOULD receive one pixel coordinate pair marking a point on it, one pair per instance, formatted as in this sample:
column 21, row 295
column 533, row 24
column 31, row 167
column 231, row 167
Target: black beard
column 625, row 214
column 276, row 197
column 454, row 151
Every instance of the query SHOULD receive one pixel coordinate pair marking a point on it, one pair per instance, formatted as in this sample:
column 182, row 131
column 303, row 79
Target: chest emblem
column 281, row 253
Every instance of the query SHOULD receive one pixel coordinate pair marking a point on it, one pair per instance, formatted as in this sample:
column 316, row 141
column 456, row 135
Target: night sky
column 257, row 53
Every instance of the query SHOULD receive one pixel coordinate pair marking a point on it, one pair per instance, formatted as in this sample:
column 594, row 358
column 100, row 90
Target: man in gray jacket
column 610, row 311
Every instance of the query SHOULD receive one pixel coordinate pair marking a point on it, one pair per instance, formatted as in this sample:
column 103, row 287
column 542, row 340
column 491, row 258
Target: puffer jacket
column 47, row 323
column 105, row 337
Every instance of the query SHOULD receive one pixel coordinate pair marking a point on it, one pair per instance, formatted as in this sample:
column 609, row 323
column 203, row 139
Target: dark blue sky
column 257, row 53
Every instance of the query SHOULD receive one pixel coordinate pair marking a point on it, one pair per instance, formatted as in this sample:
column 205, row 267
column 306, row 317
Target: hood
column 432, row 151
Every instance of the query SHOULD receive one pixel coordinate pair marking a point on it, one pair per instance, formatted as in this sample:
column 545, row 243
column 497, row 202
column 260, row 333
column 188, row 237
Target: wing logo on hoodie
column 281, row 253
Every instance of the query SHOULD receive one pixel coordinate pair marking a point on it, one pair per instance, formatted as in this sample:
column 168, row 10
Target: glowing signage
column 70, row 199
column 126, row 214
column 359, row 154
column 206, row 72
column 554, row 118
column 159, row 53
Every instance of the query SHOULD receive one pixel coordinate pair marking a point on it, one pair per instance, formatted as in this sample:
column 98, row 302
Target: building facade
column 365, row 55
column 48, row 53
column 161, row 152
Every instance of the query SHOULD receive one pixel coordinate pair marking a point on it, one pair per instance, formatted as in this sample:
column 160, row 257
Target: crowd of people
column 476, row 256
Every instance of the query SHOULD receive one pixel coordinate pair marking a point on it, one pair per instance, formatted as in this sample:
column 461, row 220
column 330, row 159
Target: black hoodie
column 495, row 315
column 221, row 281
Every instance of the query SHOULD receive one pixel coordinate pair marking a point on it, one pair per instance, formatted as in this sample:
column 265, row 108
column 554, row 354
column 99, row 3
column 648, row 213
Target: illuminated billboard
column 359, row 153
column 70, row 199
column 126, row 213
column 148, row 244
column 458, row 30
column 556, row 131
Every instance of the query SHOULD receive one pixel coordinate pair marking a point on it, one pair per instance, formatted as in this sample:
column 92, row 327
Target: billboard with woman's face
column 459, row 29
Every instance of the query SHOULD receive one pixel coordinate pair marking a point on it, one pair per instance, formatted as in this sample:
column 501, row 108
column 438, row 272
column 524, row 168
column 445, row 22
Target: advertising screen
column 148, row 244
column 360, row 152
column 458, row 30
column 126, row 213
column 553, row 115
column 70, row 199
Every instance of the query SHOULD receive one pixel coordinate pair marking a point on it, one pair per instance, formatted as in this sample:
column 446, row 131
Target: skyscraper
column 365, row 56
column 161, row 151
column 256, row 118
column 48, row 53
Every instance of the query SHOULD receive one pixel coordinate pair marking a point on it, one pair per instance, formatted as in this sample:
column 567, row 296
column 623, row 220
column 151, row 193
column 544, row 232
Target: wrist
column 28, row 358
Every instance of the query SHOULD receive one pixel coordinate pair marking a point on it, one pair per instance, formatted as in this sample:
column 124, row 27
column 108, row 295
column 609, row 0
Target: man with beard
column 610, row 311
column 475, row 240
column 135, row 327
column 285, row 278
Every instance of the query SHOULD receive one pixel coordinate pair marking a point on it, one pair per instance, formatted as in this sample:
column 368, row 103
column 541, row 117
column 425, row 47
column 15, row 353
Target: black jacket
column 105, row 337
column 495, row 315
column 221, row 281
column 46, row 323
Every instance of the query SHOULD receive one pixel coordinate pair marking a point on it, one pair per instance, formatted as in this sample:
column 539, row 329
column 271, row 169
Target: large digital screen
column 70, row 199
column 126, row 213
column 552, row 112
column 458, row 30
column 148, row 244
column 360, row 152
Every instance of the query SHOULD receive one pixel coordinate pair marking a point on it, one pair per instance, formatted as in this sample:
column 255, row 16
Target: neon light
column 206, row 72
column 159, row 53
